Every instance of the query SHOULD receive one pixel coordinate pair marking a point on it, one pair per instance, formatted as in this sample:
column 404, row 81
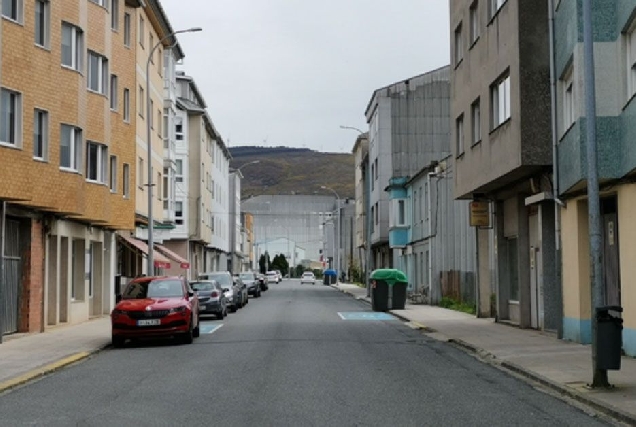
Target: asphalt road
column 288, row 359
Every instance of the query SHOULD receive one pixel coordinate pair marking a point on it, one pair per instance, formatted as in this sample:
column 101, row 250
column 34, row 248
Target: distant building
column 361, row 155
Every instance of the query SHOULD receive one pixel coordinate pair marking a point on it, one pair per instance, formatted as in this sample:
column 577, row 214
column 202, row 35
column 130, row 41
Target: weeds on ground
column 457, row 306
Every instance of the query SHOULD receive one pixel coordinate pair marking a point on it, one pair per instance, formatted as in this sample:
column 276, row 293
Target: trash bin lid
column 330, row 272
column 389, row 275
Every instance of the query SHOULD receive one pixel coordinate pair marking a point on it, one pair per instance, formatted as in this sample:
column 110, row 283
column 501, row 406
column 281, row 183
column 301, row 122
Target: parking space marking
column 365, row 315
column 209, row 328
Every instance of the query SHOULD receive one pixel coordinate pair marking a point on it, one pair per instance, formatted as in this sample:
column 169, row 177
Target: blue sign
column 365, row 315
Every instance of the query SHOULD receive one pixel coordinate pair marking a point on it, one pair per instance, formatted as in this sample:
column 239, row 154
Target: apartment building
column 615, row 59
column 360, row 153
column 198, row 196
column 236, row 255
column 67, row 143
column 501, row 141
column 402, row 139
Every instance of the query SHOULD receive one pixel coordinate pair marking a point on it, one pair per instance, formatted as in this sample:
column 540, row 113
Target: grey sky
column 290, row 72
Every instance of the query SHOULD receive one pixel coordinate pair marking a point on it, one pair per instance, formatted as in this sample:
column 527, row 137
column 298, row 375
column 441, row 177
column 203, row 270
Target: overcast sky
column 290, row 72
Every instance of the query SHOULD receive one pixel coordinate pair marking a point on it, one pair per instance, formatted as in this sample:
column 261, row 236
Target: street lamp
column 246, row 164
column 352, row 128
column 149, row 113
column 324, row 187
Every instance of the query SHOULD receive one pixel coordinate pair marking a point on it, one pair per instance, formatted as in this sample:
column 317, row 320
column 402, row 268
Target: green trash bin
column 388, row 289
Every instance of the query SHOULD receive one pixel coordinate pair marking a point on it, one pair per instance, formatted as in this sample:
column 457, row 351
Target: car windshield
column 247, row 276
column 203, row 286
column 222, row 279
column 308, row 274
column 165, row 288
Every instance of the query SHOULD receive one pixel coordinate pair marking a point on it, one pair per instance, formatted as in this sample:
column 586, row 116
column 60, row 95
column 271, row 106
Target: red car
column 156, row 307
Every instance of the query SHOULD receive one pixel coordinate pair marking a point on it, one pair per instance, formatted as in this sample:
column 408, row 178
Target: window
column 178, row 213
column 150, row 109
column 141, row 101
column 72, row 46
column 500, row 100
column 495, row 5
column 166, row 188
column 40, row 134
column 377, row 215
column 151, row 43
column 114, row 98
column 178, row 131
column 126, row 105
column 114, row 15
column 159, row 182
column 459, row 135
column 159, row 120
column 179, row 172
column 474, row 22
column 372, row 176
column 400, row 214
column 10, row 117
column 142, row 30
column 96, row 162
column 97, row 73
column 140, row 174
column 376, row 169
column 475, row 113
column 459, row 46
column 126, row 180
column 372, row 217
column 102, row 3
column 127, row 29
column 568, row 99
column 112, row 174
column 42, row 25
column 12, row 9
column 70, row 147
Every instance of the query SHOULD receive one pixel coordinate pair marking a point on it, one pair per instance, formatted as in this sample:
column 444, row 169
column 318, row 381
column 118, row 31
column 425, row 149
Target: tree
column 263, row 262
column 280, row 263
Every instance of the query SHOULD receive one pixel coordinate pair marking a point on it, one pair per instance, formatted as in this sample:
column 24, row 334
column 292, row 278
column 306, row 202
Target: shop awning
column 160, row 261
column 183, row 263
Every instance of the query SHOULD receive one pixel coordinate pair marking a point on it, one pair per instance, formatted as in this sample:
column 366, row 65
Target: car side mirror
column 117, row 298
column 190, row 294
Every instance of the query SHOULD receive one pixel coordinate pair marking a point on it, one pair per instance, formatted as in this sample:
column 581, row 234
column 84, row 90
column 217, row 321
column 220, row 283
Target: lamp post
column 324, row 187
column 149, row 113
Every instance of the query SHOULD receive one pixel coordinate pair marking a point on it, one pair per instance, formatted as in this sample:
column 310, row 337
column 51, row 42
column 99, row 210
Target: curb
column 601, row 407
column 47, row 369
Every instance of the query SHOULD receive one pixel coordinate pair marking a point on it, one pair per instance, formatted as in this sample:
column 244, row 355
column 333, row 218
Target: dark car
column 262, row 279
column 234, row 290
column 211, row 298
column 252, row 283
column 155, row 307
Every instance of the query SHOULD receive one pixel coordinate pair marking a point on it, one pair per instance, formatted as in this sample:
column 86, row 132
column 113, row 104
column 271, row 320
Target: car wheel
column 219, row 315
column 197, row 331
column 188, row 337
column 233, row 309
column 118, row 342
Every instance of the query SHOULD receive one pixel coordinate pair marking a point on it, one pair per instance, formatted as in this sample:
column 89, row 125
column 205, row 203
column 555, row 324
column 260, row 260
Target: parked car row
column 172, row 306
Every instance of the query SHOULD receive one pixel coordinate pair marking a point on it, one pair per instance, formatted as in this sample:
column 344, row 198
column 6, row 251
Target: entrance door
column 12, row 275
column 611, row 267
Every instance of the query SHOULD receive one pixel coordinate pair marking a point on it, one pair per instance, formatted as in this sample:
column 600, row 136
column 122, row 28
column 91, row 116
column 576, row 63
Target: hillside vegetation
column 284, row 170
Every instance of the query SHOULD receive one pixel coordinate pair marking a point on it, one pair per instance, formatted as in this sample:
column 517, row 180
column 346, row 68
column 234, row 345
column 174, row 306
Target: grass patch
column 457, row 306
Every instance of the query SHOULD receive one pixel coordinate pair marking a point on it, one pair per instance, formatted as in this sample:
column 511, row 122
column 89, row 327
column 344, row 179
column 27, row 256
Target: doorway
column 611, row 265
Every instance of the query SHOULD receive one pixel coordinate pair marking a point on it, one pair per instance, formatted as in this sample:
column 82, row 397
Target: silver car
column 212, row 299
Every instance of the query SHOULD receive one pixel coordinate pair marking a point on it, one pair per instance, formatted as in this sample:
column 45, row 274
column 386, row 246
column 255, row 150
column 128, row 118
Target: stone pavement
column 24, row 357
column 563, row 366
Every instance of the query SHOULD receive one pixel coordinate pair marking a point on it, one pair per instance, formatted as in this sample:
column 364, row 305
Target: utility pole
column 594, row 210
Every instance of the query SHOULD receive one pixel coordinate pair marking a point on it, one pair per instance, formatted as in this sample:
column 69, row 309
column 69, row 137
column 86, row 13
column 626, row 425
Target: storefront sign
column 479, row 214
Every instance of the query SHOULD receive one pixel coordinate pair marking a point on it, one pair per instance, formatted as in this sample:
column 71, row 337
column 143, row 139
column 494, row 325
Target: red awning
column 160, row 261
column 183, row 263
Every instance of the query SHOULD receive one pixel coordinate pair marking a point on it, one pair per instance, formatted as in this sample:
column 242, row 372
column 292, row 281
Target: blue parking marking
column 365, row 315
column 209, row 328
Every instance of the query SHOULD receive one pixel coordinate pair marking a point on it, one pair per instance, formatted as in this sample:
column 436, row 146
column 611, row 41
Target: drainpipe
column 369, row 223
column 430, row 240
column 555, row 168
column 3, row 220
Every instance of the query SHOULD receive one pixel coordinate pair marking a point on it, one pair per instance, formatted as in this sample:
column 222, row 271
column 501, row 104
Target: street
column 300, row 355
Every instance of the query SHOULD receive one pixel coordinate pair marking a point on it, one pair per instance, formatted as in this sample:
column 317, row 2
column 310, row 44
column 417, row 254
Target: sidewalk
column 560, row 365
column 27, row 356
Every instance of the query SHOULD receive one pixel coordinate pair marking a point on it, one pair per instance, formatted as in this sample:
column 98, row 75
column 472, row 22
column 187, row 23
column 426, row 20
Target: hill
column 285, row 170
